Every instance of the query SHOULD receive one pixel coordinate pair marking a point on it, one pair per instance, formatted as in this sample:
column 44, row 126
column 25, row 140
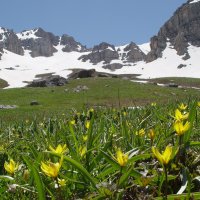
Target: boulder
column 113, row 66
column 34, row 103
column 48, row 81
column 82, row 73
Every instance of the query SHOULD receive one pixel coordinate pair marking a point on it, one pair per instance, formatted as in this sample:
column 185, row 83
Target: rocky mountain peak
column 103, row 46
column 70, row 44
column 133, row 53
column 103, row 52
column 182, row 29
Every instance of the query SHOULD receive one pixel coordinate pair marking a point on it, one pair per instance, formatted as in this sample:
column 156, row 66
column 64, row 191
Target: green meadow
column 102, row 92
column 114, row 140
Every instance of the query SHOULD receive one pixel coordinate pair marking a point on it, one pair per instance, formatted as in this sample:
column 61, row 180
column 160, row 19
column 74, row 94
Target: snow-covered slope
column 18, row 70
column 170, row 65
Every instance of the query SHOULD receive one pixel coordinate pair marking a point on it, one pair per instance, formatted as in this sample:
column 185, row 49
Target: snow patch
column 27, row 34
column 145, row 47
column 194, row 1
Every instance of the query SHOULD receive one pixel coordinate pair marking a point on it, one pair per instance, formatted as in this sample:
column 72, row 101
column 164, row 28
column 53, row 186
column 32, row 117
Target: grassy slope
column 102, row 91
column 189, row 82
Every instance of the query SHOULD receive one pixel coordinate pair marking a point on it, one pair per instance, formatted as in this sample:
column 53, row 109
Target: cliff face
column 39, row 42
column 181, row 29
column 106, row 52
column 10, row 41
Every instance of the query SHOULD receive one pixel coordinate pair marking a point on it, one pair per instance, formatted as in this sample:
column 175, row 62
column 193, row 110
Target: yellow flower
column 182, row 106
column 165, row 157
column 11, row 167
column 91, row 110
column 121, row 158
column 51, row 169
column 153, row 104
column 72, row 122
column 82, row 151
column 151, row 134
column 198, row 103
column 87, row 124
column 85, row 138
column 59, row 149
column 181, row 128
column 141, row 132
column 62, row 182
column 179, row 116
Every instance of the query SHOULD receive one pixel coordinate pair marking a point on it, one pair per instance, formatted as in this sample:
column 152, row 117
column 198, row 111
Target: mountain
column 181, row 30
column 174, row 51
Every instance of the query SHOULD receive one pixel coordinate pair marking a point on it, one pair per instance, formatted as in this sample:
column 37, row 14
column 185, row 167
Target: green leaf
column 74, row 137
column 106, row 172
column 38, row 182
column 125, row 176
column 194, row 143
column 78, row 166
column 7, row 178
column 110, row 160
column 139, row 157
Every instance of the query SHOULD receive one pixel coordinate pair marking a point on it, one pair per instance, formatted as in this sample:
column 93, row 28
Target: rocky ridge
column 182, row 29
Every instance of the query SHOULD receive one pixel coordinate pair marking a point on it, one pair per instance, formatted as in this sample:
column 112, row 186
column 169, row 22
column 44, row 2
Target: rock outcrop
column 48, row 81
column 106, row 53
column 103, row 52
column 71, row 45
column 132, row 53
column 82, row 73
column 10, row 42
column 113, row 66
column 182, row 29
column 40, row 45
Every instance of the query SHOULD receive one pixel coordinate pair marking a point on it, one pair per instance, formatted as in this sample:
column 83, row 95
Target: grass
column 91, row 146
column 102, row 92
column 187, row 82
column 101, row 153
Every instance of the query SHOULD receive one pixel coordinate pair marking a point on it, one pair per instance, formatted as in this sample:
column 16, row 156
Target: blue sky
column 90, row 21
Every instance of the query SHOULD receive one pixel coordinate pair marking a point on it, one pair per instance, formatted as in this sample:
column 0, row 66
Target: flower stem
column 166, row 182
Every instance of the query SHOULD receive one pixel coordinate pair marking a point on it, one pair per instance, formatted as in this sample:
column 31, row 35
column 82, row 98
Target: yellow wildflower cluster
column 181, row 125
column 141, row 132
column 11, row 167
column 121, row 158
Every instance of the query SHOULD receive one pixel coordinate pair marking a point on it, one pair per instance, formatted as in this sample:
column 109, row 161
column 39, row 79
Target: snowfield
column 18, row 70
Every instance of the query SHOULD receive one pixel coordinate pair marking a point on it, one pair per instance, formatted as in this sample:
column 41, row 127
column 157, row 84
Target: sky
column 90, row 21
